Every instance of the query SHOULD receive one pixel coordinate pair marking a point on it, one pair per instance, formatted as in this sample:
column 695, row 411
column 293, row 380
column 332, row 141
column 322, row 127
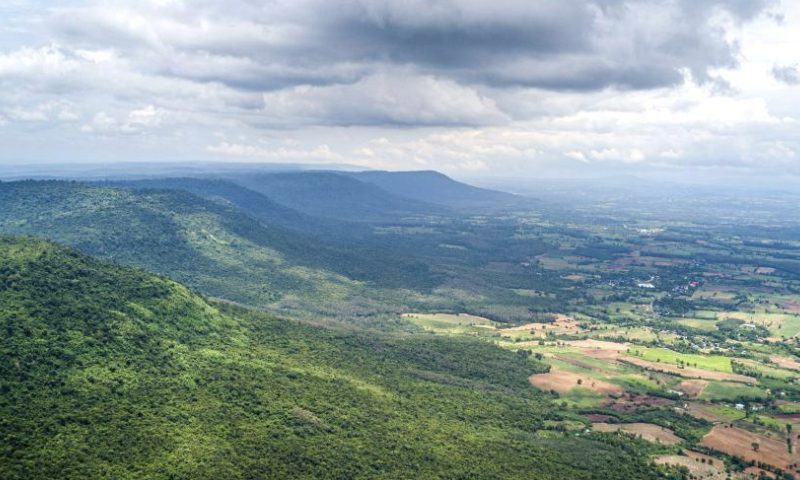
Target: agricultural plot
column 573, row 384
column 646, row 431
column 706, row 469
column 453, row 324
column 780, row 325
column 717, row 391
column 750, row 446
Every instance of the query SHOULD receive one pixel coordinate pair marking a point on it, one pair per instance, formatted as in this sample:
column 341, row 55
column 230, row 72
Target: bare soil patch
column 737, row 441
column 631, row 403
column 757, row 472
column 708, row 458
column 647, row 431
column 562, row 382
column 696, row 468
column 562, row 325
column 786, row 362
column 591, row 344
column 692, row 388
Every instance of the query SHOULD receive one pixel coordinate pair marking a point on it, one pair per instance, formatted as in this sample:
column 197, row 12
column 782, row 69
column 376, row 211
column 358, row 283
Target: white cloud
column 100, row 122
column 320, row 154
column 399, row 98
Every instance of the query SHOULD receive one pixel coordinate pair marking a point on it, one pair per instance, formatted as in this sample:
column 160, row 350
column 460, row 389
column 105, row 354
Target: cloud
column 385, row 99
column 320, row 154
column 788, row 74
column 461, row 85
column 571, row 44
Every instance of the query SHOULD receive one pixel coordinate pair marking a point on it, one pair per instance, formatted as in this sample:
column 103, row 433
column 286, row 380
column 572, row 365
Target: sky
column 661, row 88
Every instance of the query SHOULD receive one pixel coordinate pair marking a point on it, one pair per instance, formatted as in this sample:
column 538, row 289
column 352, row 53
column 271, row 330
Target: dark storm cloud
column 559, row 45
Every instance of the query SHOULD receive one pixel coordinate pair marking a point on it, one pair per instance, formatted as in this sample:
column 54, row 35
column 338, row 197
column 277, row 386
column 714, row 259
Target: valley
column 673, row 333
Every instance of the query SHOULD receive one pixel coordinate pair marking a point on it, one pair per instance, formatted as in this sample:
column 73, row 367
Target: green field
column 730, row 391
column 707, row 362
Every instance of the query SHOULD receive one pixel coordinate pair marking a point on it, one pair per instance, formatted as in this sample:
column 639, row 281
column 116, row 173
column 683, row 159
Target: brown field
column 737, row 441
column 631, row 404
column 692, row 388
column 562, row 325
column 598, row 345
column 786, row 362
column 699, row 410
column 756, row 472
column 792, row 307
column 696, row 468
column 647, row 431
column 702, row 456
column 574, row 278
column 562, row 382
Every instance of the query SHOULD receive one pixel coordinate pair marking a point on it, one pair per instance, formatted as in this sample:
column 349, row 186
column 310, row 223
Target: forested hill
column 254, row 204
column 111, row 372
column 210, row 246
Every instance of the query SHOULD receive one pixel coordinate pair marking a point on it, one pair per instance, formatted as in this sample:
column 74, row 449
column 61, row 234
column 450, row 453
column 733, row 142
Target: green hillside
column 111, row 372
column 252, row 203
column 211, row 246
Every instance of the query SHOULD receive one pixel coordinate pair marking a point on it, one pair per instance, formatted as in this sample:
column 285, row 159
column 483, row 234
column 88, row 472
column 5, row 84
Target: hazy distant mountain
column 253, row 203
column 432, row 187
column 149, row 170
column 334, row 195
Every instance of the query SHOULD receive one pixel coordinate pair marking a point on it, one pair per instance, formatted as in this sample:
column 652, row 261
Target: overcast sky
column 469, row 87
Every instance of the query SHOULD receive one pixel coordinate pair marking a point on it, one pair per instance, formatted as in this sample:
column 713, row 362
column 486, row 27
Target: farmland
column 665, row 316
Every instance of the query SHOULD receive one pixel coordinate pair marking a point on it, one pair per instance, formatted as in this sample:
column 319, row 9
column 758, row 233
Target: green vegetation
column 111, row 372
column 212, row 247
column 647, row 311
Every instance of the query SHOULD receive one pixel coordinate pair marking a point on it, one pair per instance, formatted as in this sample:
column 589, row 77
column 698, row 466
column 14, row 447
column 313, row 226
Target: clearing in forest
column 692, row 388
column 647, row 431
column 697, row 468
column 737, row 441
column 563, row 381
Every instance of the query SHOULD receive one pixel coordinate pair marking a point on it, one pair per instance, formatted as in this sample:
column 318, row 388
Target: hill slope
column 433, row 187
column 213, row 247
column 122, row 374
column 334, row 195
column 254, row 204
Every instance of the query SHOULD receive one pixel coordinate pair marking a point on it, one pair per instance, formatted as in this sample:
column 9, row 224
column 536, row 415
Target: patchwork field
column 707, row 470
column 750, row 446
column 563, row 382
column 646, row 431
